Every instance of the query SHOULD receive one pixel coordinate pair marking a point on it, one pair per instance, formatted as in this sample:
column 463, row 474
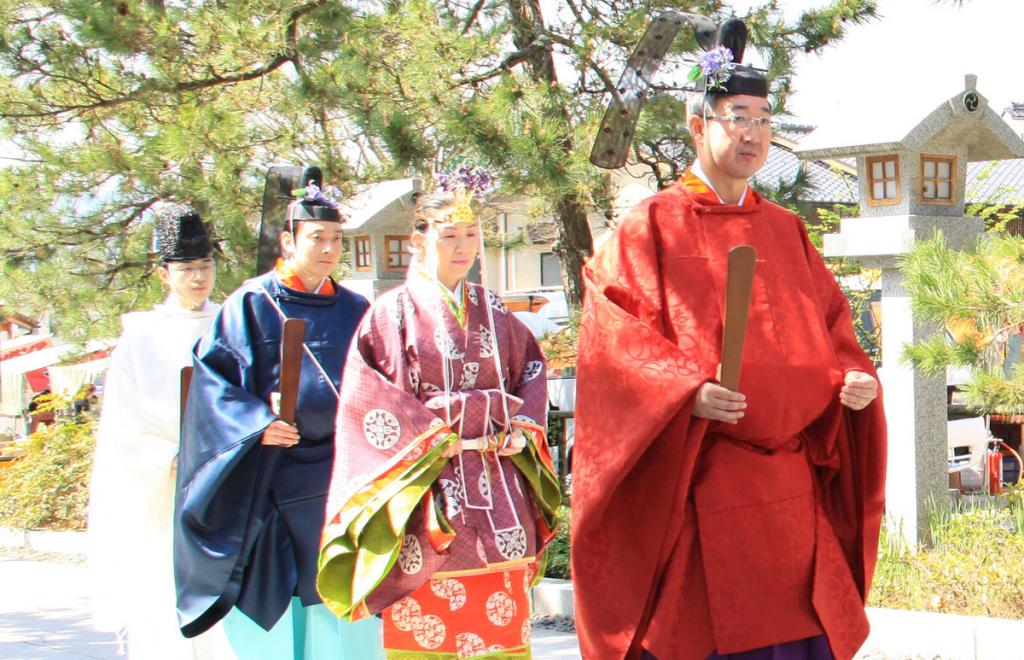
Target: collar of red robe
column 706, row 201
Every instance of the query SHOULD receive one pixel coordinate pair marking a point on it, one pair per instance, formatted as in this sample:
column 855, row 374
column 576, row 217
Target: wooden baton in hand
column 292, row 337
column 739, row 281
column 186, row 381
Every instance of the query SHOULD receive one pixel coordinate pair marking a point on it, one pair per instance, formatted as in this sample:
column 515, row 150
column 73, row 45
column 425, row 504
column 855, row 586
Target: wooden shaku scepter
column 186, row 381
column 739, row 280
column 293, row 334
column 292, row 337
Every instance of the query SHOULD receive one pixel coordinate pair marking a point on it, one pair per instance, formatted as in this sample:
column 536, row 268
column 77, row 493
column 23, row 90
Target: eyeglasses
column 741, row 122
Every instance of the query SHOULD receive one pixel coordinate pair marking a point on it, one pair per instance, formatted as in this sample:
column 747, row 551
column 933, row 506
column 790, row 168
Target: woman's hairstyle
column 425, row 202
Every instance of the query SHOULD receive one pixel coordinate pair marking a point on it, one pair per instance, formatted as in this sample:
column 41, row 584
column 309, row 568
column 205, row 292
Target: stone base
column 63, row 543
column 877, row 241
column 552, row 598
column 899, row 633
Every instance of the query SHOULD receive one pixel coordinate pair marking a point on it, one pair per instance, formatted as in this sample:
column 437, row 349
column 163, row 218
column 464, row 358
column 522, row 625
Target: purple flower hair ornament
column 466, row 179
column 330, row 196
column 466, row 183
column 716, row 66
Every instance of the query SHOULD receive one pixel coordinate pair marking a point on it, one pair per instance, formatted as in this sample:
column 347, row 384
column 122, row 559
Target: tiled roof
column 987, row 182
column 792, row 132
column 1000, row 181
column 827, row 182
column 1015, row 110
column 363, row 207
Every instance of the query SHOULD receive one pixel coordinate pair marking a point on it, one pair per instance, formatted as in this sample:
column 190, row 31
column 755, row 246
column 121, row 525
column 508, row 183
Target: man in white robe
column 131, row 502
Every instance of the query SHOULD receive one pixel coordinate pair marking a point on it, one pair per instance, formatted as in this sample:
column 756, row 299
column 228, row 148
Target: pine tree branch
column 214, row 80
column 601, row 72
column 473, row 15
column 538, row 45
column 150, row 87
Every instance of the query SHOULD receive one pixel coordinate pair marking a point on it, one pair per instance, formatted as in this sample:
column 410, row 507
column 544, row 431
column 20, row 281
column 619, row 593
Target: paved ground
column 44, row 613
column 44, row 610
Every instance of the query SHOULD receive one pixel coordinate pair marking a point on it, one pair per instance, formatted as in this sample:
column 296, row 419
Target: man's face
column 192, row 281
column 731, row 150
column 316, row 247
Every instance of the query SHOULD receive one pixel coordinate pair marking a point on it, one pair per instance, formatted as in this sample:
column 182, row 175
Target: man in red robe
column 708, row 522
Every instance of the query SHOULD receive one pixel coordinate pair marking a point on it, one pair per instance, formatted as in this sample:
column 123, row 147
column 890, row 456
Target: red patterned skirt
column 463, row 614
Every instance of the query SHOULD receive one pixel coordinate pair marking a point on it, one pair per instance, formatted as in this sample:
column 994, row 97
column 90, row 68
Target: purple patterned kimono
column 399, row 512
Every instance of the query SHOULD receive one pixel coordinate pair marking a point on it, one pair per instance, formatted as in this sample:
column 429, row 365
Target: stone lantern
column 911, row 173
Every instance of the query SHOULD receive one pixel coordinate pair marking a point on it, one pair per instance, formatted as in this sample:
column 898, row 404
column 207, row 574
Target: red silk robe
column 692, row 536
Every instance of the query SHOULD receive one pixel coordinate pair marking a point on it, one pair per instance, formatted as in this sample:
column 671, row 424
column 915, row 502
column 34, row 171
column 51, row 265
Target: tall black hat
column 313, row 206
column 615, row 135
column 181, row 235
column 281, row 208
column 733, row 78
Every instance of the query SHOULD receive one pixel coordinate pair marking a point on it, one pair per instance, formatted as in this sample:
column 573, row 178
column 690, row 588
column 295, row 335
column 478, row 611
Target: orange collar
column 290, row 278
column 704, row 194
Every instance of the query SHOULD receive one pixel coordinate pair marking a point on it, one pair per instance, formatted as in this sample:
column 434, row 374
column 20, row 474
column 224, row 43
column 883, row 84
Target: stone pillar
column 916, row 415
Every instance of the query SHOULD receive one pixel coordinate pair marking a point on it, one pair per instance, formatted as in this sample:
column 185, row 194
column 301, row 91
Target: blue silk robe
column 248, row 517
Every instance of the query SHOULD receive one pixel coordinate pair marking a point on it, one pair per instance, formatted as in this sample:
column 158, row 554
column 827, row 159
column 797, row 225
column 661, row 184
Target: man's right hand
column 281, row 434
column 719, row 403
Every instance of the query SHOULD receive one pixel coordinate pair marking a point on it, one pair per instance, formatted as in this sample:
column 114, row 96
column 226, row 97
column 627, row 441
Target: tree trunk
column 574, row 244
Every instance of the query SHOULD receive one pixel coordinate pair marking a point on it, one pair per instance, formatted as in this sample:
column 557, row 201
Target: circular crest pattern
column 495, row 302
column 533, row 369
column 429, row 632
column 405, row 613
column 452, row 591
column 511, row 543
column 452, row 490
column 500, row 608
column 468, row 645
column 381, row 428
column 470, row 372
column 410, row 559
column 486, row 342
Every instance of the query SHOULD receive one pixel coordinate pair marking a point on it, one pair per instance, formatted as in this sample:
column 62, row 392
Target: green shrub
column 558, row 549
column 973, row 566
column 49, row 485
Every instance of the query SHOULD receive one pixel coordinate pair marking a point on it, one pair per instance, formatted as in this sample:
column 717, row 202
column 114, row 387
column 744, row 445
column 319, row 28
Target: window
column 397, row 252
column 550, row 269
column 937, row 175
column 883, row 180
column 362, row 252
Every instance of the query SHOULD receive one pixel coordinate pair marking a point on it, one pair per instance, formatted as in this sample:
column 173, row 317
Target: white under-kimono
column 131, row 501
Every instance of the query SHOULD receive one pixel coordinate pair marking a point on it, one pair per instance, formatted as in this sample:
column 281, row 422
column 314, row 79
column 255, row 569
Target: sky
column 916, row 47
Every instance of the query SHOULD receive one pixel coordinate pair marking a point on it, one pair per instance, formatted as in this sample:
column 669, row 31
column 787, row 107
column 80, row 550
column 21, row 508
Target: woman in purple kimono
column 442, row 495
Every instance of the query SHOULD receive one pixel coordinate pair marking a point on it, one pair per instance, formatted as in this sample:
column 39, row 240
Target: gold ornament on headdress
column 462, row 211
column 464, row 184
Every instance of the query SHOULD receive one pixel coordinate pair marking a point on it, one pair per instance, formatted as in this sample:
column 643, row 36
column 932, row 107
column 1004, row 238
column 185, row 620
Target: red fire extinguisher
column 995, row 471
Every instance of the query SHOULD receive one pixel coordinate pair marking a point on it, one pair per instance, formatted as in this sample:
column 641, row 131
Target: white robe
column 131, row 501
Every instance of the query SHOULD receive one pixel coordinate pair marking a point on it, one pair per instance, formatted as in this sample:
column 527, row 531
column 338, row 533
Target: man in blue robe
column 251, row 488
